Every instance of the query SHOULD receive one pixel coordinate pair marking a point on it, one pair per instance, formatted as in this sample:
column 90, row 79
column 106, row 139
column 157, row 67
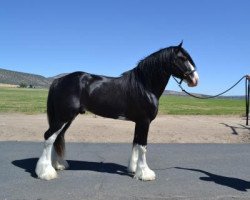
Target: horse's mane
column 155, row 61
column 149, row 71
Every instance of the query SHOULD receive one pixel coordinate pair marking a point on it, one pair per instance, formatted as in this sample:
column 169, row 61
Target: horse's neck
column 156, row 71
column 160, row 84
column 154, row 81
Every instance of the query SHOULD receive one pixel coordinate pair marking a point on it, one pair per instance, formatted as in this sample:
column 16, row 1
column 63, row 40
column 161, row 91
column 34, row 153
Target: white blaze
column 194, row 76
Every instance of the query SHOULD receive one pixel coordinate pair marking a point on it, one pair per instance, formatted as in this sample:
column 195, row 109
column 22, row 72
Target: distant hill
column 17, row 78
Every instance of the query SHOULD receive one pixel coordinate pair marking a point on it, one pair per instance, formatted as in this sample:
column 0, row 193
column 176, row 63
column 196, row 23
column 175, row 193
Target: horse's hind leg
column 44, row 168
column 58, row 151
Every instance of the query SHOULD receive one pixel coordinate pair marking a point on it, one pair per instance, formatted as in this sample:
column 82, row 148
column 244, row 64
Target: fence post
column 247, row 97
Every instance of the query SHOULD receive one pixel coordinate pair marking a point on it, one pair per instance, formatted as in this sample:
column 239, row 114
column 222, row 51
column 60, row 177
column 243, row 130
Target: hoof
column 145, row 174
column 62, row 165
column 46, row 172
column 131, row 170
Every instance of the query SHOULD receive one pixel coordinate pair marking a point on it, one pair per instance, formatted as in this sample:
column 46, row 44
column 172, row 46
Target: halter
column 186, row 74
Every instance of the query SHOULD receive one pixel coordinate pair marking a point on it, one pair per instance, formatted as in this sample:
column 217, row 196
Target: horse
column 133, row 96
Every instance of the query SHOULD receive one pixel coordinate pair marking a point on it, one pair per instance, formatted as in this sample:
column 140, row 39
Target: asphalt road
column 98, row 171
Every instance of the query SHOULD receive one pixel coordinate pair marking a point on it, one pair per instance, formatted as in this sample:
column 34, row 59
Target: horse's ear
column 180, row 45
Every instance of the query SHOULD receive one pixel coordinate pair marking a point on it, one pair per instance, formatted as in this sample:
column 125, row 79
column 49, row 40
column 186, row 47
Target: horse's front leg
column 133, row 159
column 138, row 162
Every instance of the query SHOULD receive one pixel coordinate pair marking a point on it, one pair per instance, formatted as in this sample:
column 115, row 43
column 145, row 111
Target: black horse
column 133, row 96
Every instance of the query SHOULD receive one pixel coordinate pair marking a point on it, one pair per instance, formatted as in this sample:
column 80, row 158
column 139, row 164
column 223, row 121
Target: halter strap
column 190, row 72
column 185, row 75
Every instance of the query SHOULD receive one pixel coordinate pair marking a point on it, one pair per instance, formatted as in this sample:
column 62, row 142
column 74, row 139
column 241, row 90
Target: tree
column 22, row 85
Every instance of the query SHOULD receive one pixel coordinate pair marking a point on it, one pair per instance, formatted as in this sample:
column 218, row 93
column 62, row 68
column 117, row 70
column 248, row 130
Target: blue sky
column 108, row 37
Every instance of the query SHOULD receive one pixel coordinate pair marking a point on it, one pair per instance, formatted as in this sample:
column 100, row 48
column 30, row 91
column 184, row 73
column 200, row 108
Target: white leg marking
column 44, row 169
column 58, row 162
column 134, row 158
column 143, row 172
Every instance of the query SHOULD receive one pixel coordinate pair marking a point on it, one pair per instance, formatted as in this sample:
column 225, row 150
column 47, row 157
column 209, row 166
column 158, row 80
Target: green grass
column 19, row 100
column 190, row 106
column 32, row 101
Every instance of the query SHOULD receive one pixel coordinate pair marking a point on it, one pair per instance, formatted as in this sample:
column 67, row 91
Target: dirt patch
column 164, row 129
column 8, row 85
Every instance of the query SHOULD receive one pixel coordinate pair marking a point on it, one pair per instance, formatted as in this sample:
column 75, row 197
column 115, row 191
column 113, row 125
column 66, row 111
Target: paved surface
column 98, row 171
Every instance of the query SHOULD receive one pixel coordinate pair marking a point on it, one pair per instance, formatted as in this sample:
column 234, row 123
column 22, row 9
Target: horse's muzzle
column 193, row 80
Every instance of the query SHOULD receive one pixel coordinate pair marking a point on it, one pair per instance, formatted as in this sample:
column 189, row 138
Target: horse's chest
column 154, row 103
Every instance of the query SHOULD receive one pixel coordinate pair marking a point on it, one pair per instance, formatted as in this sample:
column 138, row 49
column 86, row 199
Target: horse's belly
column 105, row 110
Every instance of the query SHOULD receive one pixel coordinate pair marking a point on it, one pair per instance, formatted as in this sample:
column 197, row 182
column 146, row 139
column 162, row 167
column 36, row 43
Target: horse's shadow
column 235, row 183
column 29, row 165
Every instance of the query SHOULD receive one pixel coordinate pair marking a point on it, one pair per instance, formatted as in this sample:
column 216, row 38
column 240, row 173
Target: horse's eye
column 183, row 59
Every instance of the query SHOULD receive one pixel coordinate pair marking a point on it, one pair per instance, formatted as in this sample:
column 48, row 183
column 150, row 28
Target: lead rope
column 247, row 85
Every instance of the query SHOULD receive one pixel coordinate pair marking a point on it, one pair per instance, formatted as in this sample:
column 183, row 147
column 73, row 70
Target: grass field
column 190, row 106
column 19, row 100
column 32, row 101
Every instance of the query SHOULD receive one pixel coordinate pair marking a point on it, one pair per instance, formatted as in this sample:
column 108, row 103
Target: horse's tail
column 50, row 106
column 59, row 143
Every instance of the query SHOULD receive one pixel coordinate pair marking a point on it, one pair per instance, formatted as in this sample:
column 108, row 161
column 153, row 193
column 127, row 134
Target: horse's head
column 183, row 66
